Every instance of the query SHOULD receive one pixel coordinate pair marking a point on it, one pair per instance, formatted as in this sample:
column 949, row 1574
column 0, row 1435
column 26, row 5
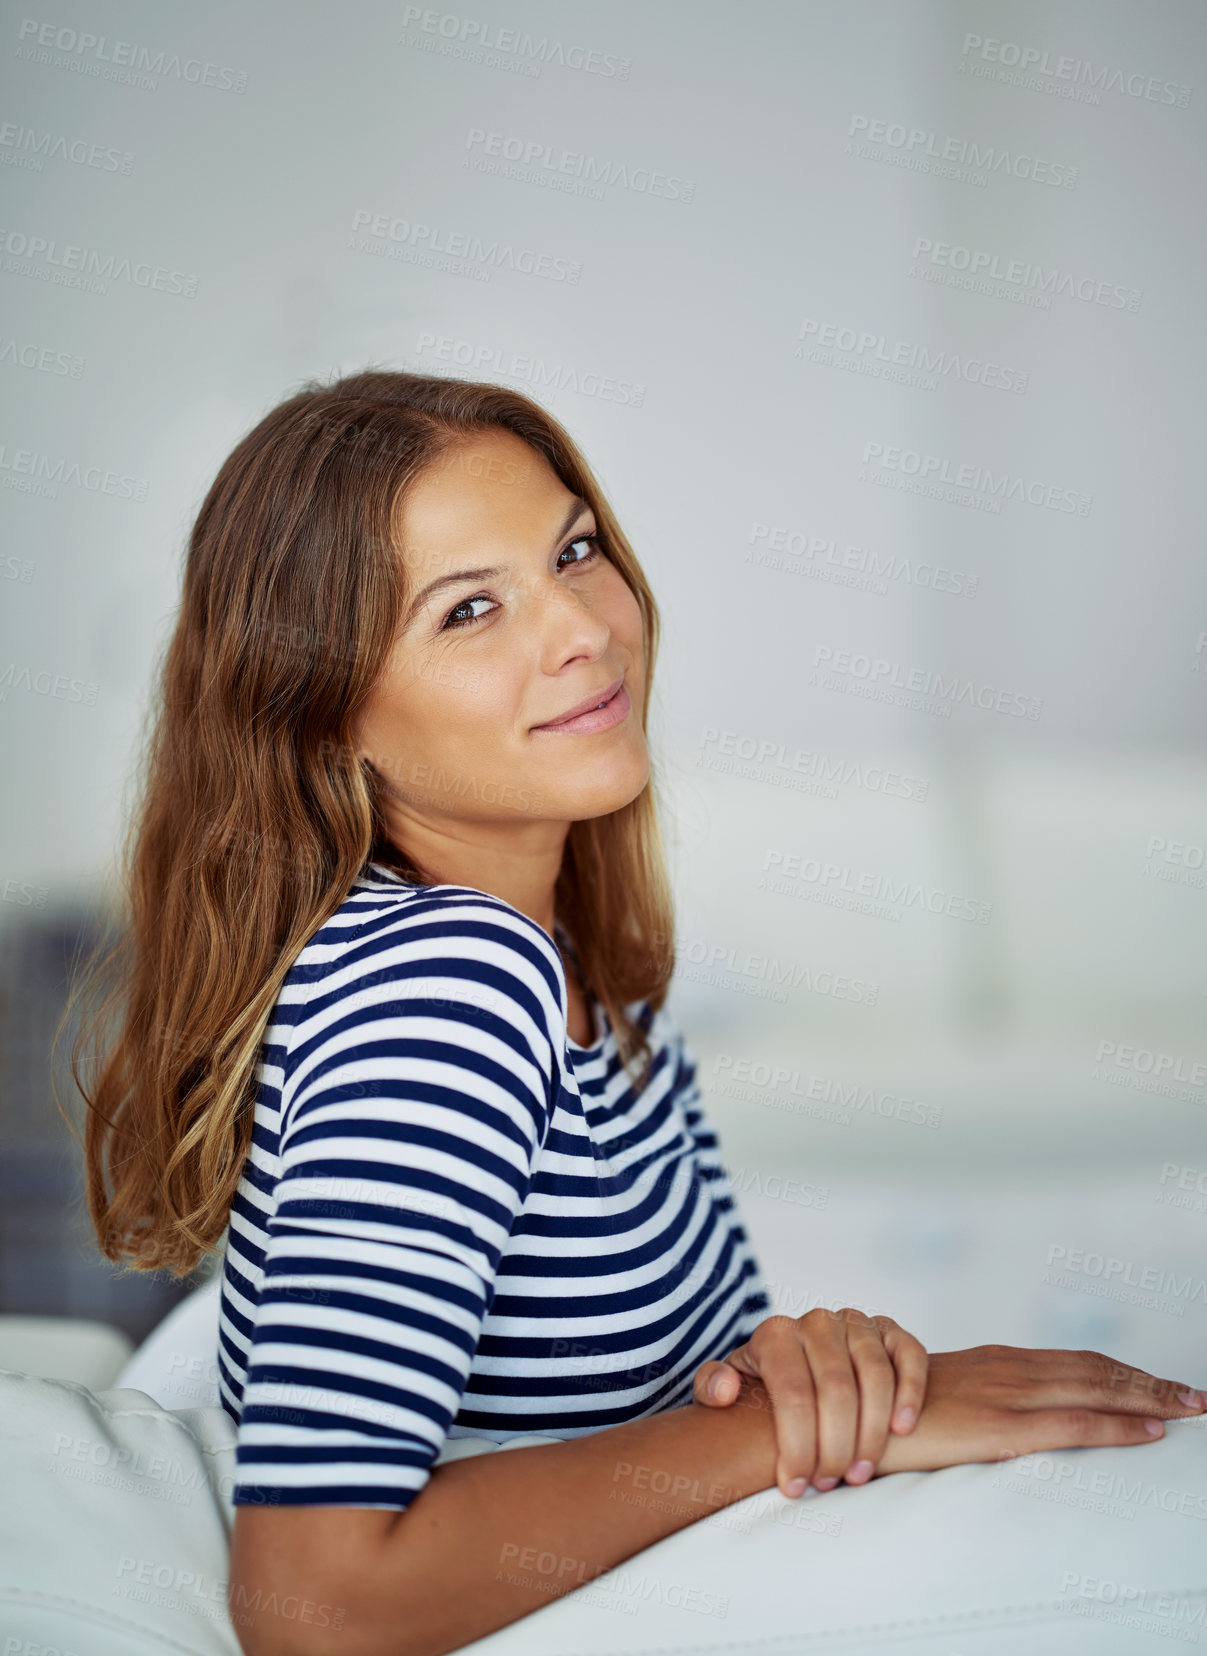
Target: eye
column 449, row 623
column 595, row 550
column 593, row 541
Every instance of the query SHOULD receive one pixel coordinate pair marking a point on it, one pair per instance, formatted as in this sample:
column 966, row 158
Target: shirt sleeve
column 418, row 1091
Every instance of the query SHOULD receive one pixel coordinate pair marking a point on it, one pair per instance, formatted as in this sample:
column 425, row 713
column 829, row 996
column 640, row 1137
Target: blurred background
column 882, row 327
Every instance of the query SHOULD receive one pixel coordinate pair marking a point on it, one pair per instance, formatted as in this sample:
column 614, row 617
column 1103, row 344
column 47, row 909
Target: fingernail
column 796, row 1488
column 860, row 1471
column 1154, row 1427
column 907, row 1417
column 824, row 1483
column 713, row 1388
column 1192, row 1399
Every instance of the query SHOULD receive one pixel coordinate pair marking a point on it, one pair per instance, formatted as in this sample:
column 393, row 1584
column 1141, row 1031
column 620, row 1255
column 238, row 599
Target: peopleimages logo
column 1189, row 1191
column 821, row 341
column 993, row 486
column 43, row 359
column 789, row 873
column 1168, row 1073
column 764, row 759
column 1077, row 72
column 496, row 45
column 890, row 681
column 936, row 257
column 76, row 266
column 546, row 377
column 28, row 143
column 766, row 976
column 120, row 60
column 1178, row 862
column 752, row 1081
column 435, row 247
column 962, row 158
column 859, row 566
column 22, row 463
column 43, row 683
column 530, row 153
column 1156, row 1286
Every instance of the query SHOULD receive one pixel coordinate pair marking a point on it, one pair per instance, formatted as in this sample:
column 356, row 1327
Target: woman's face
column 516, row 617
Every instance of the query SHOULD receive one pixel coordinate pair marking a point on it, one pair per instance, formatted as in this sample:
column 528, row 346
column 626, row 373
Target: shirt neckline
column 561, row 938
column 388, row 873
column 597, row 1022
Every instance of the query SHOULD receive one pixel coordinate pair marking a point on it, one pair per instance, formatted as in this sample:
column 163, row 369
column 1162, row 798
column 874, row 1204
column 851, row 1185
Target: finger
column 1132, row 1388
column 911, row 1362
column 877, row 1380
column 785, row 1372
column 983, row 1433
column 824, row 1339
column 1077, row 1428
column 1090, row 1379
column 717, row 1384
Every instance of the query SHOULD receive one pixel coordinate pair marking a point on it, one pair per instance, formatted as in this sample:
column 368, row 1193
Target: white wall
column 756, row 212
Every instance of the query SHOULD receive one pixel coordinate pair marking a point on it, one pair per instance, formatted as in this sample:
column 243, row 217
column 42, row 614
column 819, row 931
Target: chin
column 603, row 788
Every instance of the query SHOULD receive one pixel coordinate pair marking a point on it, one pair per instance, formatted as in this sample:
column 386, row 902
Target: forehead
column 487, row 486
column 485, row 499
column 488, row 506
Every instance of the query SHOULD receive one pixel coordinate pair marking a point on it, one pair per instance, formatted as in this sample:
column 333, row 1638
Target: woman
column 394, row 1039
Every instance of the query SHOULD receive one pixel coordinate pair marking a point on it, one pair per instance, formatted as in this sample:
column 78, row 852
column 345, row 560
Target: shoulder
column 451, row 923
column 449, row 950
column 379, row 915
column 666, row 1036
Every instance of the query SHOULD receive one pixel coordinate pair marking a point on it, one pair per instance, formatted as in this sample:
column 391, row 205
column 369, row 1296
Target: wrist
column 751, row 1425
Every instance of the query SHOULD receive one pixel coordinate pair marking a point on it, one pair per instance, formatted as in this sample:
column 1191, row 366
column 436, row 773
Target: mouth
column 600, row 714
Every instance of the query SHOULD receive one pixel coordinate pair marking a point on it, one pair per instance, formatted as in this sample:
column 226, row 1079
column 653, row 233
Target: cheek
column 450, row 700
column 435, row 688
column 619, row 607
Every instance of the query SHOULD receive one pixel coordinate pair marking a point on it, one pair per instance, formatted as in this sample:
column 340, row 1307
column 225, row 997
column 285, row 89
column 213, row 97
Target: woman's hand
column 833, row 1380
column 994, row 1402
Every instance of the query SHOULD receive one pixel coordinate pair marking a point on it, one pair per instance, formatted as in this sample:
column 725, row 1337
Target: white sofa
column 177, row 1363
column 116, row 1518
column 72, row 1348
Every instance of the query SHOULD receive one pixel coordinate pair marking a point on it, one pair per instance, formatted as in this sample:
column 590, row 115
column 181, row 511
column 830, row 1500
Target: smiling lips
column 600, row 714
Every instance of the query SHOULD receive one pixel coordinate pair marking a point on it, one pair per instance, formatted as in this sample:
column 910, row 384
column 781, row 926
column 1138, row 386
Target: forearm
column 494, row 1537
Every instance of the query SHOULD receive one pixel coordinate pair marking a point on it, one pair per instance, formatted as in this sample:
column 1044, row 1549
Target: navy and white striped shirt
column 454, row 1220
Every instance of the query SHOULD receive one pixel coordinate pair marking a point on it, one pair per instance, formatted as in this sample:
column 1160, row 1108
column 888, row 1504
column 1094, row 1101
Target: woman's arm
column 493, row 1537
column 993, row 1402
column 489, row 1538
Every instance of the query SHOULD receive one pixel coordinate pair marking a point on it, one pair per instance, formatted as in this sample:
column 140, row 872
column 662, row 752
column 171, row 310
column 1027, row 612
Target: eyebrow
column 578, row 507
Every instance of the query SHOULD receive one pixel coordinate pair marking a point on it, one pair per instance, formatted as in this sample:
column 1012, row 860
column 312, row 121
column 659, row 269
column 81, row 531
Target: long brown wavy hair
column 254, row 812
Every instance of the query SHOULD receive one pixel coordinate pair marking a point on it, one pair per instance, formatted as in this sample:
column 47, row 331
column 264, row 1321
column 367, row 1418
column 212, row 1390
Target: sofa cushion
column 177, row 1363
column 115, row 1522
column 115, row 1528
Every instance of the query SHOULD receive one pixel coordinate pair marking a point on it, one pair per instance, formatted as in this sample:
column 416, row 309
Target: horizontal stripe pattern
column 455, row 1221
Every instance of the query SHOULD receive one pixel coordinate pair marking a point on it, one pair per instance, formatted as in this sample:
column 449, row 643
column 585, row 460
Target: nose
column 569, row 625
